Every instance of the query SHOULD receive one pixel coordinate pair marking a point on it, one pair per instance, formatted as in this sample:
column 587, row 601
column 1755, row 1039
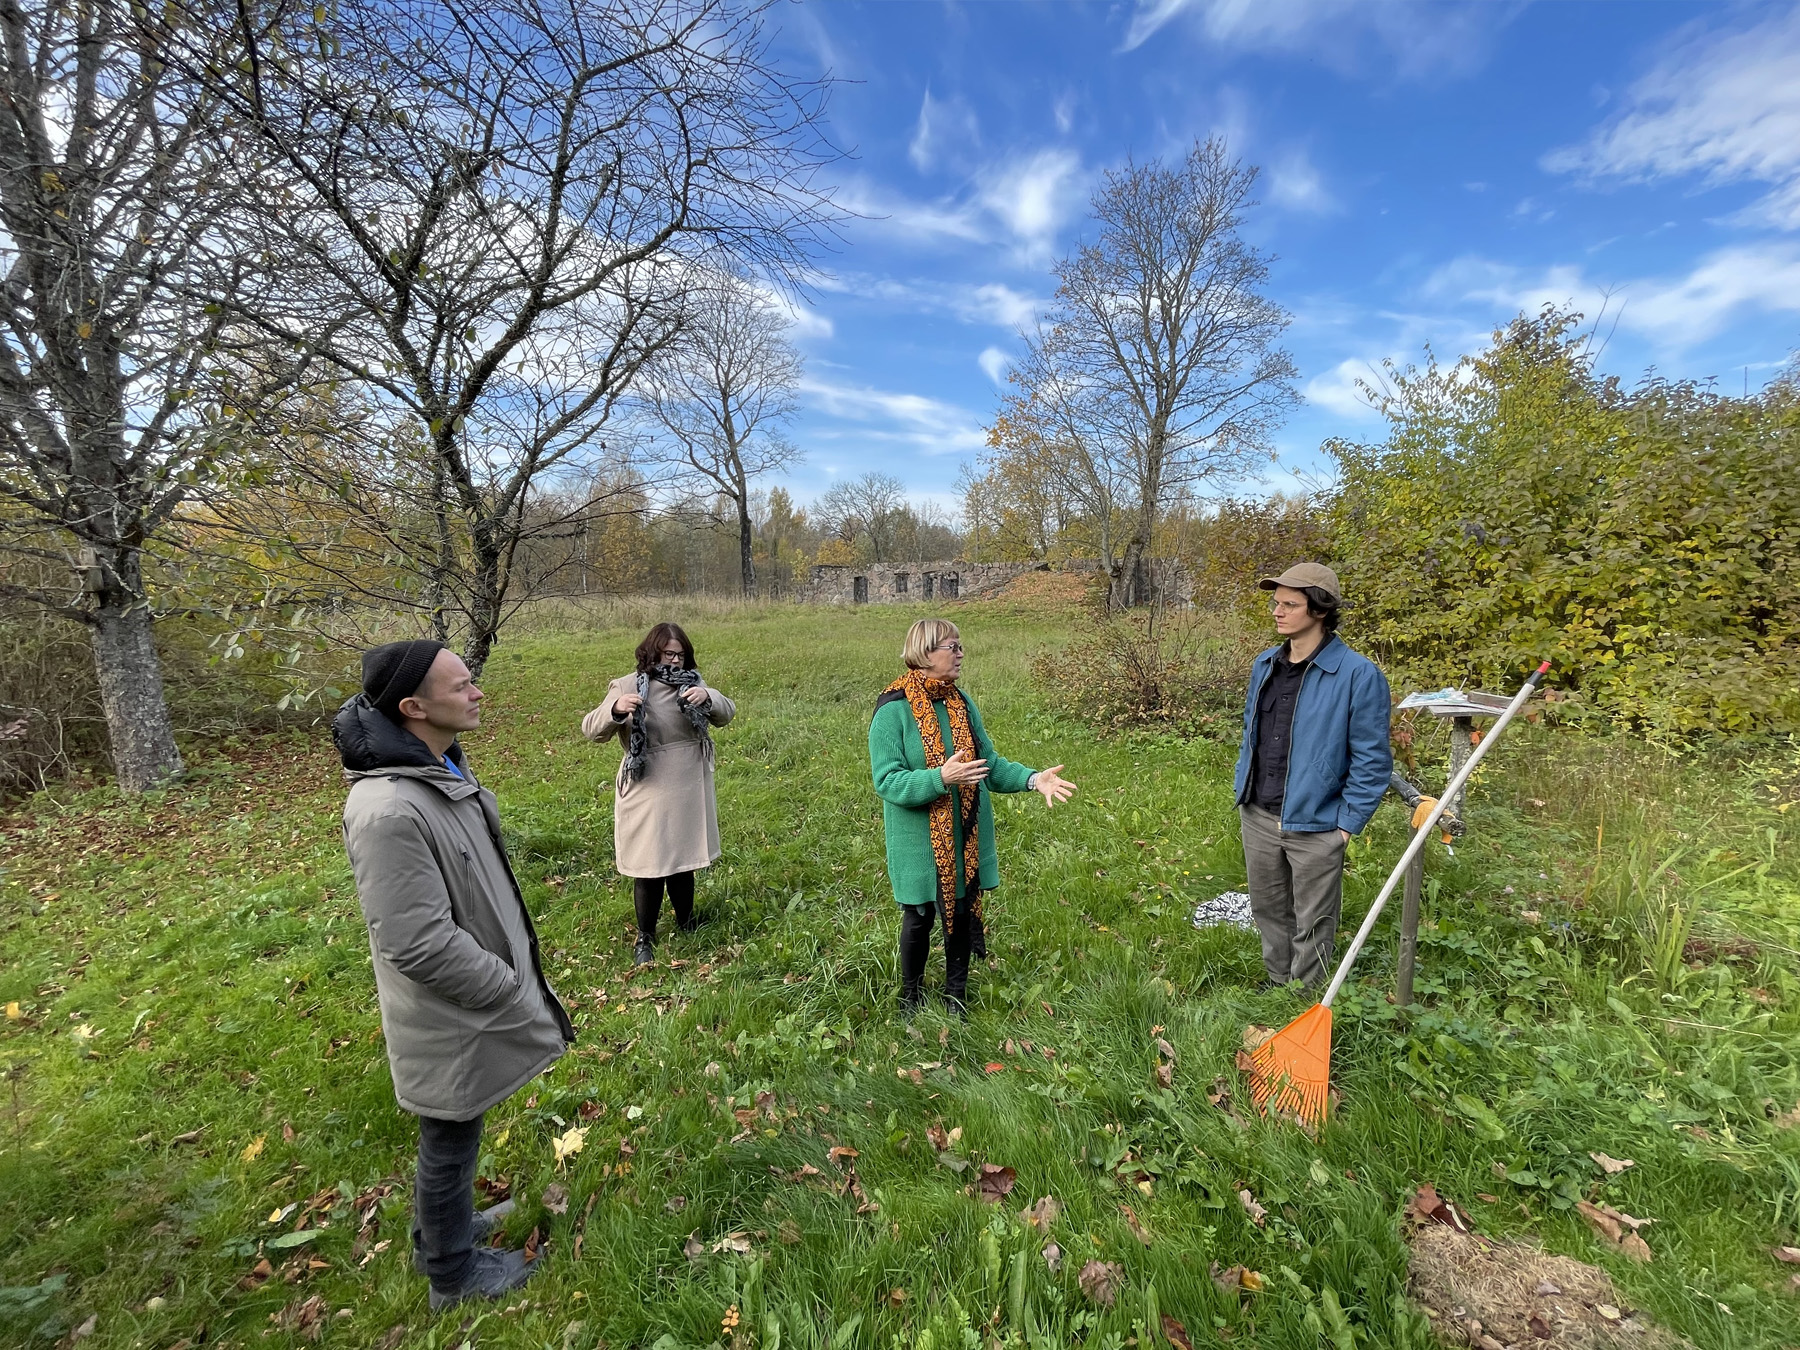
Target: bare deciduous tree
column 1156, row 368
column 491, row 212
column 722, row 393
column 870, row 505
column 109, row 200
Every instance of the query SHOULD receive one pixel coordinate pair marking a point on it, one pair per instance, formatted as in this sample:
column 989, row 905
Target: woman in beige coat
column 665, row 815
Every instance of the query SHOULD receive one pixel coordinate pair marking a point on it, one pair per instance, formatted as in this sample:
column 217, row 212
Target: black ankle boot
column 646, row 952
column 915, row 947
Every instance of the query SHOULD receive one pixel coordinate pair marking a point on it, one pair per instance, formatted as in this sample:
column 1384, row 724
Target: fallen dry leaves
column 304, row 1317
column 995, row 1183
column 1426, row 1206
column 1138, row 1230
column 568, row 1144
column 1100, row 1281
column 1612, row 1225
column 1176, row 1334
column 1256, row 1212
column 1233, row 1278
column 1165, row 1065
column 1787, row 1255
column 1610, row 1165
column 1041, row 1215
column 1254, row 1036
column 556, row 1198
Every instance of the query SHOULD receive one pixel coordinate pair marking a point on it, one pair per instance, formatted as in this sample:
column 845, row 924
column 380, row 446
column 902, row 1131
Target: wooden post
column 1462, row 745
column 1409, row 929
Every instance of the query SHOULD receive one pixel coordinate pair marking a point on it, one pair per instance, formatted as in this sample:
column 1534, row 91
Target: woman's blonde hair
column 922, row 637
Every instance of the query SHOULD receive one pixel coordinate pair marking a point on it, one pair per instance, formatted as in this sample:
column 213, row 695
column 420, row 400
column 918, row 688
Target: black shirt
column 1274, row 731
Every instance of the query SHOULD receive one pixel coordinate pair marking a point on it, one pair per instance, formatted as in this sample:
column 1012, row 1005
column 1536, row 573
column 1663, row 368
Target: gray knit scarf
column 637, row 745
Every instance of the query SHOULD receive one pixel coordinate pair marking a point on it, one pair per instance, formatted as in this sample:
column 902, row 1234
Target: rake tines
column 1292, row 1069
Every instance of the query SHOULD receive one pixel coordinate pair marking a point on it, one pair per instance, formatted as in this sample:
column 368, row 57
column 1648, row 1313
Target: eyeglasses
column 955, row 647
column 1287, row 606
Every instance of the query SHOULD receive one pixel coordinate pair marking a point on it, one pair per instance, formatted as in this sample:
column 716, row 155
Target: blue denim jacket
column 1339, row 766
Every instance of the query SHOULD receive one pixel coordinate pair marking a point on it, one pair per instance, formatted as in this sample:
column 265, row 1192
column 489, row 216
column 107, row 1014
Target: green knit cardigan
column 907, row 789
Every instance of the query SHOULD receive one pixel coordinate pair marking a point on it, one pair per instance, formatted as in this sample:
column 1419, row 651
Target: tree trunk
column 746, row 557
column 484, row 603
column 438, row 587
column 139, row 729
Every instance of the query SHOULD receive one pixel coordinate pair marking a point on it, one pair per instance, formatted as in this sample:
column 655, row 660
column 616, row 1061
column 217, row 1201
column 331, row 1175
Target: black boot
column 915, row 947
column 956, row 964
column 646, row 899
column 481, row 1229
column 493, row 1273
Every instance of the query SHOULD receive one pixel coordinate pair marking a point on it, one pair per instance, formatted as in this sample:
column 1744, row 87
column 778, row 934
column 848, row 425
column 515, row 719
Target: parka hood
column 368, row 740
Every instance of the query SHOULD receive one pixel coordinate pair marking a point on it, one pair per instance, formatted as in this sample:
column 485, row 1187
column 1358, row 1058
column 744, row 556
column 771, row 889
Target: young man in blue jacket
column 1314, row 764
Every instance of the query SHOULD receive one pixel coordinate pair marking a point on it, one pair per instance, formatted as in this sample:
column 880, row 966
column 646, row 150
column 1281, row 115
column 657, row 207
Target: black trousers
column 915, row 947
column 444, row 1198
column 647, row 896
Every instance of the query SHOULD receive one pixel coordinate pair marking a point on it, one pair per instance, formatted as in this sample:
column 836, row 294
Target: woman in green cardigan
column 934, row 766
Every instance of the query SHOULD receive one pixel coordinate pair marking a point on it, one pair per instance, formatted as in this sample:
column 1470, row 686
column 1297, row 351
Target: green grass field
column 196, row 1083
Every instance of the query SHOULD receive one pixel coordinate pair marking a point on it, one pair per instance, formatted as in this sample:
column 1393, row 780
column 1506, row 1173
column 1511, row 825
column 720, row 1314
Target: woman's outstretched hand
column 1053, row 787
column 959, row 768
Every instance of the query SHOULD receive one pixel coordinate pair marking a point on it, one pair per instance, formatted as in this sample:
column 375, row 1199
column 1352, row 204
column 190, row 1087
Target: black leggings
column 915, row 947
column 647, row 895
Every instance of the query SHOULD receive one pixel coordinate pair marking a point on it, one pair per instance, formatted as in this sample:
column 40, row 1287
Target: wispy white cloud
column 927, row 425
column 991, row 302
column 1415, row 40
column 994, row 363
column 917, row 221
column 946, row 128
column 1675, row 312
column 1337, row 390
column 1296, row 185
column 1033, row 196
column 996, row 303
column 1021, row 201
column 806, row 323
column 1720, row 104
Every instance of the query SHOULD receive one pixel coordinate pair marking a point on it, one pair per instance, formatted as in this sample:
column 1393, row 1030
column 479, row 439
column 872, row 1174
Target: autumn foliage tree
column 1645, row 540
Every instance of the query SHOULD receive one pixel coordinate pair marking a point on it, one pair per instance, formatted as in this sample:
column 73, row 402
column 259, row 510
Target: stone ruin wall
column 915, row 583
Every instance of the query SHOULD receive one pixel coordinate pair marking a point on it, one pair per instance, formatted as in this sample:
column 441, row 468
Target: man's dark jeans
column 444, row 1198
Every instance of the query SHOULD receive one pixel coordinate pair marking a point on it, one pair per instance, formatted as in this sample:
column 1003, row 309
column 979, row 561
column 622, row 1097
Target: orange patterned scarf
column 962, row 804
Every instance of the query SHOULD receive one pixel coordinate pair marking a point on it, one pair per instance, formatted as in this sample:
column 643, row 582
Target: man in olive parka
column 465, row 1009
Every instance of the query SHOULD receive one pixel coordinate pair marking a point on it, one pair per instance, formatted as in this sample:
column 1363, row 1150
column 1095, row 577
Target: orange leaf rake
column 1291, row 1071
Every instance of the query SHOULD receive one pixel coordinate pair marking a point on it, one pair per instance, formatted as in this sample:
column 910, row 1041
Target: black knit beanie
column 395, row 670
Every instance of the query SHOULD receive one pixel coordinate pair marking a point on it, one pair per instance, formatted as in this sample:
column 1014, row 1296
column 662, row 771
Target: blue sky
column 1428, row 171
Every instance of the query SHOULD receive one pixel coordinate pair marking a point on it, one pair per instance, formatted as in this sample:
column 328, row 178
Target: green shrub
column 1647, row 541
column 51, row 722
column 1182, row 671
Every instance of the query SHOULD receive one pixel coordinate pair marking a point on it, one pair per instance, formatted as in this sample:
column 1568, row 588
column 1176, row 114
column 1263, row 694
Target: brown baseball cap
column 1302, row 575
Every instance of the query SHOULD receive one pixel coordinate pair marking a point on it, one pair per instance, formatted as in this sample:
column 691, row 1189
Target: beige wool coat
column 667, row 821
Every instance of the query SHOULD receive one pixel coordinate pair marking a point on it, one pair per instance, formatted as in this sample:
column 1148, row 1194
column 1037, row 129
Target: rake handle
column 1419, row 835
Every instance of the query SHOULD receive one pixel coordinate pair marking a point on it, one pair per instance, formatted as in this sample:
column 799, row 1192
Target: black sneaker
column 486, row 1221
column 646, row 952
column 493, row 1273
